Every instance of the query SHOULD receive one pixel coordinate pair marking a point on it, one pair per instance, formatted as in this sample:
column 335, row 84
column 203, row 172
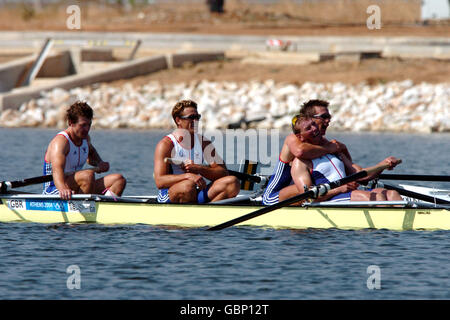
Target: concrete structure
column 96, row 54
column 308, row 49
column 13, row 73
column 173, row 41
column 178, row 59
column 124, row 70
column 282, row 57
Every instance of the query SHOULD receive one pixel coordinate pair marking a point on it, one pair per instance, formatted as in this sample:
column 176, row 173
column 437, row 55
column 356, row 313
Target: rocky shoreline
column 391, row 107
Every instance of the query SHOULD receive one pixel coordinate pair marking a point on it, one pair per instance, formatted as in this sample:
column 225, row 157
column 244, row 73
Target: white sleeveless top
column 77, row 156
column 179, row 153
column 327, row 168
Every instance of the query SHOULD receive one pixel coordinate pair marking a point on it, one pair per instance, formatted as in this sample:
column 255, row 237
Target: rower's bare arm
column 56, row 154
column 392, row 162
column 163, row 177
column 300, row 175
column 304, row 150
column 302, row 178
column 95, row 160
column 161, row 168
column 213, row 169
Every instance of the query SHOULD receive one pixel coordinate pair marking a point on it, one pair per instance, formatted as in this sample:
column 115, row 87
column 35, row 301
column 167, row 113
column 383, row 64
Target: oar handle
column 246, row 176
column 380, row 167
column 4, row 185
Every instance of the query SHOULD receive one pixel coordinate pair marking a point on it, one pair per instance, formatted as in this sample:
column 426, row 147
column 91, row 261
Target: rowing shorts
column 50, row 188
column 202, row 196
column 279, row 180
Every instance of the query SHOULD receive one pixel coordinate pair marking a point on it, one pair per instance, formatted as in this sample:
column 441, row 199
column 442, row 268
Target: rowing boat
column 400, row 215
column 428, row 210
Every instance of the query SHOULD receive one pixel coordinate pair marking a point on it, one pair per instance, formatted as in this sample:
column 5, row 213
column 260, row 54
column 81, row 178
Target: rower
column 331, row 167
column 69, row 150
column 281, row 186
column 196, row 160
column 318, row 111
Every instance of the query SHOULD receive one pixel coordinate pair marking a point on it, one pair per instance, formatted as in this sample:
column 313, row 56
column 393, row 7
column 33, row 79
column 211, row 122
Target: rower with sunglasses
column 280, row 185
column 193, row 161
column 318, row 111
column 333, row 167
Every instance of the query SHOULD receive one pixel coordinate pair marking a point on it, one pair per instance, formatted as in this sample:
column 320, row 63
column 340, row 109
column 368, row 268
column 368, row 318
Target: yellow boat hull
column 197, row 216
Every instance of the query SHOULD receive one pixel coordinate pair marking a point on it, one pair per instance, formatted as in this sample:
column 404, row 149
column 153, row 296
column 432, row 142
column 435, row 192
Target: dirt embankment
column 337, row 17
column 325, row 17
column 372, row 71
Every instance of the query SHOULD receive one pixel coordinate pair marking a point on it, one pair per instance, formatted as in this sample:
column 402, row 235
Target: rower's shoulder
column 59, row 139
column 292, row 140
column 290, row 137
column 164, row 143
column 59, row 144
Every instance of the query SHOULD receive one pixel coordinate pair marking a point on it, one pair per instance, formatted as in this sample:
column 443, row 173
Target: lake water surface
column 145, row 262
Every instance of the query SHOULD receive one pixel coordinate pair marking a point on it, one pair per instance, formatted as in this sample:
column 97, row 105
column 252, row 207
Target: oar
column 312, row 193
column 412, row 194
column 246, row 176
column 237, row 174
column 4, row 185
column 415, row 177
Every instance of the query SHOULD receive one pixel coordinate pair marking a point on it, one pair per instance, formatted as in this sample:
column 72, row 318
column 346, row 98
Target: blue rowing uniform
column 202, row 196
column 280, row 179
column 329, row 168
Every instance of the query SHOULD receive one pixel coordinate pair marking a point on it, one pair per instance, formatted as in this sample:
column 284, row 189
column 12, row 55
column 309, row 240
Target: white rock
column 395, row 106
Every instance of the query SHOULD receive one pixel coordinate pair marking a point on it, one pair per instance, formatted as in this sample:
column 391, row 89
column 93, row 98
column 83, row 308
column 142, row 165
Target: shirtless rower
column 69, row 150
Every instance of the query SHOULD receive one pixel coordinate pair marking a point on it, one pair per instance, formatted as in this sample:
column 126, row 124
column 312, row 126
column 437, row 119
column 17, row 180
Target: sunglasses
column 192, row 117
column 324, row 116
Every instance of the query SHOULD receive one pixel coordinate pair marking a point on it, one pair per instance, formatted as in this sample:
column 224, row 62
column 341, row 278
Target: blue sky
column 435, row 9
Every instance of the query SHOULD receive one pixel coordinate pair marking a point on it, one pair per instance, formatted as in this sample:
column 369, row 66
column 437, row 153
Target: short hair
column 296, row 120
column 79, row 109
column 180, row 106
column 307, row 108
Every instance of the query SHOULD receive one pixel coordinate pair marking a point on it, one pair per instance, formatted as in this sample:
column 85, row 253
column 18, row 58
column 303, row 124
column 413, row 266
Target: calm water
column 144, row 262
